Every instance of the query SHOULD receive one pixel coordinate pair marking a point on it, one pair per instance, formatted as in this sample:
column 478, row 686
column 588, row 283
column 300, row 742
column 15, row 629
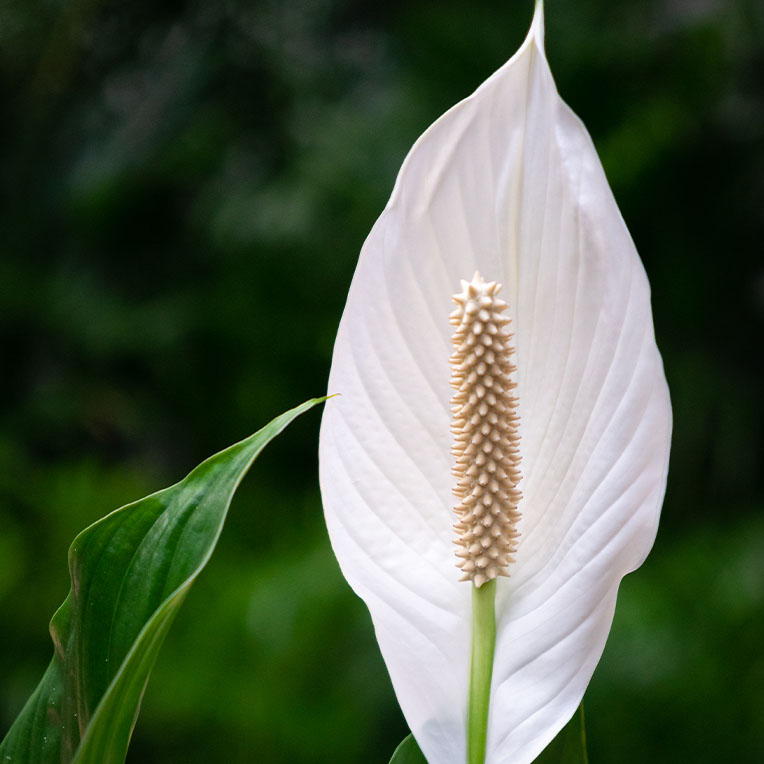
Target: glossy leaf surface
column 408, row 752
column 130, row 573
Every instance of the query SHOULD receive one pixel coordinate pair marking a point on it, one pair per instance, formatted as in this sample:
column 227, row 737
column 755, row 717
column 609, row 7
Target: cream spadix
column 486, row 442
column 507, row 183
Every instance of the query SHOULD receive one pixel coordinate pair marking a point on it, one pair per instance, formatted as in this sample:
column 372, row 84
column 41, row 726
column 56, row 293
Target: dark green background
column 185, row 189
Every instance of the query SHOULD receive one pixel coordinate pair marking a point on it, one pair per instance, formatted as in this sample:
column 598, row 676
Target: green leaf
column 408, row 753
column 130, row 573
column 569, row 747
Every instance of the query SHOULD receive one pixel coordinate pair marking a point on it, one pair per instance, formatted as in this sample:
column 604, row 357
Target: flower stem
column 483, row 644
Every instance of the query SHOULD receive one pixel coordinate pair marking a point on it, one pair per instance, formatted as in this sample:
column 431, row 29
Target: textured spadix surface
column 486, row 446
column 507, row 183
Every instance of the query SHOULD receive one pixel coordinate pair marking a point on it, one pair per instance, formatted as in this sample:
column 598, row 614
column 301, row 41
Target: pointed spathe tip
column 536, row 31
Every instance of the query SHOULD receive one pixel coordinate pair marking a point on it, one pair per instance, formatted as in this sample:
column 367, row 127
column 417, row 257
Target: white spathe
column 508, row 183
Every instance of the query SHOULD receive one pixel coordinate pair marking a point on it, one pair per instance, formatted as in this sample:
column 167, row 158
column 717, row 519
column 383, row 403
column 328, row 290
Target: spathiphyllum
column 497, row 458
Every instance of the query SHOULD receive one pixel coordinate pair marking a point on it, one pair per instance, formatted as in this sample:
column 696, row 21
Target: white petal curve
column 507, row 182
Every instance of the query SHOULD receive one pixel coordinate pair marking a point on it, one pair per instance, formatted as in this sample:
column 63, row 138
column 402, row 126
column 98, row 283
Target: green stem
column 584, row 754
column 481, row 668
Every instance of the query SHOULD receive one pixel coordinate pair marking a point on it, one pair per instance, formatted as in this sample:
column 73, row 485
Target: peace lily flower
column 506, row 183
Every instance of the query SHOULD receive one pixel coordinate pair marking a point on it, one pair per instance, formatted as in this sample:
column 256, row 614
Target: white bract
column 507, row 183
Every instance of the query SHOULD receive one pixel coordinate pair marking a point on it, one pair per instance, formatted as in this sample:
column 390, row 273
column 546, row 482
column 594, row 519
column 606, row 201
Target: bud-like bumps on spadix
column 486, row 441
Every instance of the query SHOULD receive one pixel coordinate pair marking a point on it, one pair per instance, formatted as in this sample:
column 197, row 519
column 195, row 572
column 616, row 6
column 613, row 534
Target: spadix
column 486, row 444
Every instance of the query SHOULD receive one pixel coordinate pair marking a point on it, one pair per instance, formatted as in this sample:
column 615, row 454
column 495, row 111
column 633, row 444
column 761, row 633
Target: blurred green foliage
column 185, row 188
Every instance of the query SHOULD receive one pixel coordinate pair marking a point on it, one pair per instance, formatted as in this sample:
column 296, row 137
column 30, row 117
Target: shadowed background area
column 185, row 189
